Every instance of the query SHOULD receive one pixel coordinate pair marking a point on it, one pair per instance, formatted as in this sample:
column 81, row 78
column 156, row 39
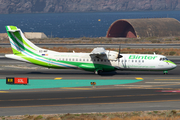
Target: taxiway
column 156, row 91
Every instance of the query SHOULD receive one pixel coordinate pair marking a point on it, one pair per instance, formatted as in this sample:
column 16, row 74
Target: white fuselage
column 127, row 62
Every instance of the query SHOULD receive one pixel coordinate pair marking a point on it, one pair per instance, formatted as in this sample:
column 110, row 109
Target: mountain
column 58, row 6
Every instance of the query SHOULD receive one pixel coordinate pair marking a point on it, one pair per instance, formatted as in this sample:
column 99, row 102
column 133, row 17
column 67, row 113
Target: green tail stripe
column 15, row 51
column 24, row 48
column 13, row 27
column 17, row 34
column 29, row 51
column 78, row 64
column 85, row 66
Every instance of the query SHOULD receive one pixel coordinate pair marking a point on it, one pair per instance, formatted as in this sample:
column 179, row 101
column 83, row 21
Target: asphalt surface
column 156, row 92
column 103, row 45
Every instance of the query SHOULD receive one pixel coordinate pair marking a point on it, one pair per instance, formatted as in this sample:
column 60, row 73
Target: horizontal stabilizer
column 13, row 29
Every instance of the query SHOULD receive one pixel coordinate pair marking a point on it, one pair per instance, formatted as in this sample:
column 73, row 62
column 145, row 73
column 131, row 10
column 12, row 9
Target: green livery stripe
column 169, row 62
column 32, row 60
column 37, row 62
column 20, row 42
column 29, row 51
column 24, row 48
column 13, row 27
column 15, row 51
column 90, row 66
column 17, row 34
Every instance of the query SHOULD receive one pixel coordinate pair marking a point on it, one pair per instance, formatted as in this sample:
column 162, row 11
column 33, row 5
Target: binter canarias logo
column 146, row 57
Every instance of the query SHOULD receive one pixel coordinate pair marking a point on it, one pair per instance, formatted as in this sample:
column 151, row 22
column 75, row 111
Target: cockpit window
column 162, row 59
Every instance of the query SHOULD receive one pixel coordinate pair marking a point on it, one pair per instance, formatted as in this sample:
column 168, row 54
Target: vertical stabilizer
column 18, row 41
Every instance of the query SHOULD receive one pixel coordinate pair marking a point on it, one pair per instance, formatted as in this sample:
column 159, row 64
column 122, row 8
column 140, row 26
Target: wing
column 101, row 53
column 98, row 52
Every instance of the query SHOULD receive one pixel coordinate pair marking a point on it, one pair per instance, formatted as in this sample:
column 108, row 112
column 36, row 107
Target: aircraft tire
column 98, row 72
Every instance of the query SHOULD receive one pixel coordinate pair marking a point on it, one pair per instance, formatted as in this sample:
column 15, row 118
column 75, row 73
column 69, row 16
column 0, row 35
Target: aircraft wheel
column 98, row 72
column 165, row 72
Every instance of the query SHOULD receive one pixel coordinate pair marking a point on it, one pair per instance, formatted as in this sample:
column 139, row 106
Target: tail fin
column 18, row 41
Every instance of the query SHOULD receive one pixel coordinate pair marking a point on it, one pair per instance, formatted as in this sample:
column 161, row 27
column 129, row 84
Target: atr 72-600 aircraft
column 98, row 61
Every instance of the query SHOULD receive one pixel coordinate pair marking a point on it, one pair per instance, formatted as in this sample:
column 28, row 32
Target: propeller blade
column 119, row 56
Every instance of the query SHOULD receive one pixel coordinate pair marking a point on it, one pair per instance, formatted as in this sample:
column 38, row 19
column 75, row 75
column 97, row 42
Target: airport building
column 150, row 27
column 35, row 35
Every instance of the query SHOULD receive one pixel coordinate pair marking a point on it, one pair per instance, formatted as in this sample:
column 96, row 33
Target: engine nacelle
column 101, row 53
column 111, row 55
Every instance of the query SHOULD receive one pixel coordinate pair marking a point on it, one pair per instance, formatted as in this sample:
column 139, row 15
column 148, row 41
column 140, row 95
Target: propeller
column 119, row 56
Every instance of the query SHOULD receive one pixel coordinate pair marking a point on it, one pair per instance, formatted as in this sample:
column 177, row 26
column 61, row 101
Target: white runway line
column 162, row 82
column 135, row 85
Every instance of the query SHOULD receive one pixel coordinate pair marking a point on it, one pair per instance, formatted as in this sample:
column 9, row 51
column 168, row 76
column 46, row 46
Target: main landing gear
column 98, row 72
column 165, row 72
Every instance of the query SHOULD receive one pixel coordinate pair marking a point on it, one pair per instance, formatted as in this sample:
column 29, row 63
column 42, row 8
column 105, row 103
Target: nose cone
column 172, row 64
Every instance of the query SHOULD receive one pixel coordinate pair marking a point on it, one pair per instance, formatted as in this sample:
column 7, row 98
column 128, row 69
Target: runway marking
column 58, row 105
column 57, row 78
column 178, row 91
column 136, row 85
column 42, row 99
column 162, row 82
column 4, row 92
column 78, row 88
column 166, row 79
column 138, row 78
column 166, row 85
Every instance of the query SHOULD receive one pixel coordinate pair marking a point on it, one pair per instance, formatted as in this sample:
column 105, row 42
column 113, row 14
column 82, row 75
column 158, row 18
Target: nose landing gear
column 165, row 72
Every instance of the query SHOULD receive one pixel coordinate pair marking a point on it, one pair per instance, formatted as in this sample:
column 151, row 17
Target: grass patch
column 38, row 117
column 136, row 115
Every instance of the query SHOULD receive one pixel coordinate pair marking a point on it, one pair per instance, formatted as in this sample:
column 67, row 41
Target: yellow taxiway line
column 139, row 78
column 57, row 78
column 78, row 88
column 4, row 92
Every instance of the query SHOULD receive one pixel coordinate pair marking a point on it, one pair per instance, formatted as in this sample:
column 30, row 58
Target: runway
column 156, row 91
column 128, row 45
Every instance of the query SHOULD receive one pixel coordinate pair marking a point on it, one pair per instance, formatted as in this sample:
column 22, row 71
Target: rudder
column 18, row 41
